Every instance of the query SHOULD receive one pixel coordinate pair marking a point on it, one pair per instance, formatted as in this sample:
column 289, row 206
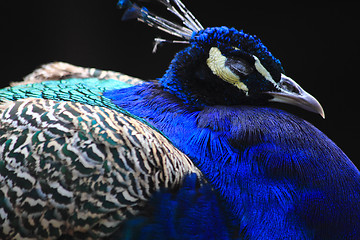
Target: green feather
column 81, row 90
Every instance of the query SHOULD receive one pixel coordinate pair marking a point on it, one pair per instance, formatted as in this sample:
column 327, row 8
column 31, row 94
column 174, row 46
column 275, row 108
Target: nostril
column 288, row 86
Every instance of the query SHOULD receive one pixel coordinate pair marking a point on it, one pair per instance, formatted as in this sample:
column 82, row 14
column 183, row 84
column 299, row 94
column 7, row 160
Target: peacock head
column 221, row 65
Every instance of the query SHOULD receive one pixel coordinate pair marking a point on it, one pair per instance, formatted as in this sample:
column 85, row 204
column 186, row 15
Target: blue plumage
column 198, row 154
column 183, row 215
column 124, row 4
column 273, row 169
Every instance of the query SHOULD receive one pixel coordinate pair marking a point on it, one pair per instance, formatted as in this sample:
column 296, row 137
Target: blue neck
column 265, row 163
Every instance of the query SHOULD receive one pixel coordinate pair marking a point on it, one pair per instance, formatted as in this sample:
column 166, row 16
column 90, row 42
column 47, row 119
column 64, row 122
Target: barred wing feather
column 71, row 169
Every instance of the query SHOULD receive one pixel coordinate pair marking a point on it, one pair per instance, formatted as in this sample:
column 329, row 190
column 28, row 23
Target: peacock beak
column 292, row 93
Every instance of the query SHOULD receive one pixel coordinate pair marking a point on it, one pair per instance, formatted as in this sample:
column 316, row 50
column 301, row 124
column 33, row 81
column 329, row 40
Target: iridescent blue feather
column 196, row 154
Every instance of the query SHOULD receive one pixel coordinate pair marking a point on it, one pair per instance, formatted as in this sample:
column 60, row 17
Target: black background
column 318, row 46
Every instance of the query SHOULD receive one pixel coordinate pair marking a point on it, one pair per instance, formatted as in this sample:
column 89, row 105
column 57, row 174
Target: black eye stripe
column 237, row 53
column 239, row 66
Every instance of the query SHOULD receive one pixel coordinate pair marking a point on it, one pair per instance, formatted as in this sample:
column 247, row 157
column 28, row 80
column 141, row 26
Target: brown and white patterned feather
column 62, row 70
column 71, row 169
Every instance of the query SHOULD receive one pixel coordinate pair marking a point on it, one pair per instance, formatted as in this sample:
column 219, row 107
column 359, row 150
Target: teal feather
column 81, row 155
column 76, row 165
column 76, row 170
column 84, row 88
column 86, row 91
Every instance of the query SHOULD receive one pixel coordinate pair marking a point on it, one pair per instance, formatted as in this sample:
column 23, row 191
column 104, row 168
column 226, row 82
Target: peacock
column 200, row 153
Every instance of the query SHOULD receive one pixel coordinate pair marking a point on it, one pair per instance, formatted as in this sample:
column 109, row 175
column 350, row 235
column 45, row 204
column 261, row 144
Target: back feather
column 71, row 169
column 61, row 70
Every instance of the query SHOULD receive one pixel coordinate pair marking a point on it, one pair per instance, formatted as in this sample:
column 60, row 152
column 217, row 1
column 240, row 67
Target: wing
column 72, row 169
column 62, row 70
column 80, row 90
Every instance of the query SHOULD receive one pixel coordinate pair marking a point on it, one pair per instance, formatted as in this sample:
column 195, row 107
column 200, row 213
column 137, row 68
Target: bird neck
column 215, row 138
column 266, row 164
column 179, row 120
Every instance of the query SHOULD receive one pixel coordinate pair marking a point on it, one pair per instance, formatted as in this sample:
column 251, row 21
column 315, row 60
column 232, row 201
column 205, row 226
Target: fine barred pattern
column 62, row 70
column 71, row 169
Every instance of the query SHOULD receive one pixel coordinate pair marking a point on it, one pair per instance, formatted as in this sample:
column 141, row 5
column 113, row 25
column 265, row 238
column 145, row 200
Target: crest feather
column 189, row 23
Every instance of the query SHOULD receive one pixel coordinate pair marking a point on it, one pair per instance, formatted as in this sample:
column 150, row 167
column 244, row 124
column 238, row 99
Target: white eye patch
column 262, row 70
column 216, row 62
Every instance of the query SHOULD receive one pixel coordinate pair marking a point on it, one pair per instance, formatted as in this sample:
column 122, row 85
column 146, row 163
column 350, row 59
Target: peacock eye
column 239, row 66
column 239, row 62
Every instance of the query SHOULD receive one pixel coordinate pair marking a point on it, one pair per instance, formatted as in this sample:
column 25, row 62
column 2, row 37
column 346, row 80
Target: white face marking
column 265, row 73
column 216, row 63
